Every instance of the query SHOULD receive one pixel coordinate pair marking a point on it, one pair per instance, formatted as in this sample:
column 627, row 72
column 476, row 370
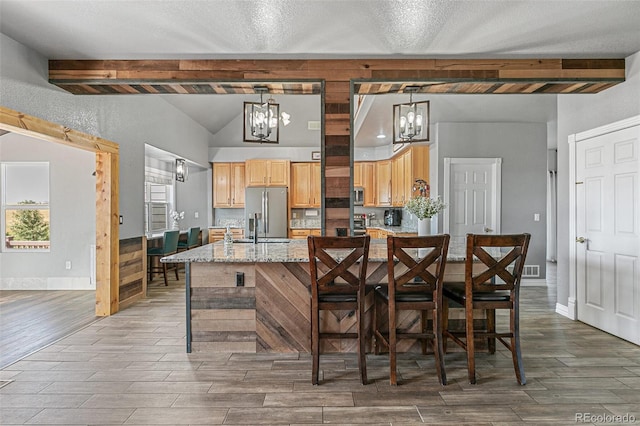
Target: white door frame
column 496, row 199
column 573, row 140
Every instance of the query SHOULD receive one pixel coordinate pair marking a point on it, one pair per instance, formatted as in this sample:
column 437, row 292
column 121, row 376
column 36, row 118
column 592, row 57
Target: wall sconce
column 261, row 120
column 182, row 171
column 411, row 121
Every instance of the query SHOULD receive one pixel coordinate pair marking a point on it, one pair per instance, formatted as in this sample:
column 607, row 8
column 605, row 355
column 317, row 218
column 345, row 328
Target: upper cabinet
column 383, row 183
column 369, row 183
column 390, row 182
column 305, row 184
column 228, row 185
column 267, row 172
column 357, row 175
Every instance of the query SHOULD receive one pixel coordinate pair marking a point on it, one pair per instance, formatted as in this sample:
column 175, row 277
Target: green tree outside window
column 29, row 225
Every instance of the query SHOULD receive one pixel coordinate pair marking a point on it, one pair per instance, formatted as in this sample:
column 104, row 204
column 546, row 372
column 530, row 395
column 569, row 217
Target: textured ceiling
column 120, row 29
column 218, row 29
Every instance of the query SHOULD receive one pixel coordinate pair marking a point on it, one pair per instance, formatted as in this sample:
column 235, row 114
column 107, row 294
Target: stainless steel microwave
column 358, row 196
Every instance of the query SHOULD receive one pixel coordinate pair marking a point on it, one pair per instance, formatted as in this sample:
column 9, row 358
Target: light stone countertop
column 295, row 250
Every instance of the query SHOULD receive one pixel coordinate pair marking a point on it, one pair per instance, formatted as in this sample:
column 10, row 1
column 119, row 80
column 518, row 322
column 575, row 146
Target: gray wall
column 577, row 113
column 130, row 121
column 523, row 149
column 72, row 203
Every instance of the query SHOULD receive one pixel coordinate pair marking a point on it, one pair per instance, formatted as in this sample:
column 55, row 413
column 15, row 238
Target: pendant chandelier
column 411, row 120
column 261, row 119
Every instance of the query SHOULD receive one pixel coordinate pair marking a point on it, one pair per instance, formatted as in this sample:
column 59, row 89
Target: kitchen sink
column 261, row 240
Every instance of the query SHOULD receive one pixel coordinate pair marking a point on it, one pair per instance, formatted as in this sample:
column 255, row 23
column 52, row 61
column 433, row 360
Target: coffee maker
column 392, row 217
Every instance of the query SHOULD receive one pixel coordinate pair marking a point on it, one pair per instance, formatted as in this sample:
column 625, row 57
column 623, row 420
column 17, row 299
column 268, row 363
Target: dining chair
column 169, row 247
column 415, row 268
column 493, row 270
column 192, row 239
column 338, row 267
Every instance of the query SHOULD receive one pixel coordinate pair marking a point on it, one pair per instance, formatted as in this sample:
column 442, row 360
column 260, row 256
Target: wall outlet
column 67, row 264
column 196, row 215
column 536, row 217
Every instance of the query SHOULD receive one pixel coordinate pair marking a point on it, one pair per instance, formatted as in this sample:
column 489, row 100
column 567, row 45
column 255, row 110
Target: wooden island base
column 271, row 311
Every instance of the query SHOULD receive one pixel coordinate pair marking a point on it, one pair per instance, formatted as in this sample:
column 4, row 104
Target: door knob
column 581, row 240
column 487, row 230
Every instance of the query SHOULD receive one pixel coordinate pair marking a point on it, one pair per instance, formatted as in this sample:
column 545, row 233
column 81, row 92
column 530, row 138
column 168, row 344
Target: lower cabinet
column 217, row 234
column 303, row 233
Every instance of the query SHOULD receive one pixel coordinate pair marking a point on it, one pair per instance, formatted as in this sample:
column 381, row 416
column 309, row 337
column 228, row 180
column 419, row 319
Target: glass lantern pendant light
column 411, row 120
column 261, row 120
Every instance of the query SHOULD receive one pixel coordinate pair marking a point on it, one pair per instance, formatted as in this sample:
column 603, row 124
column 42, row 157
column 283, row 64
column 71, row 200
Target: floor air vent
column 530, row 271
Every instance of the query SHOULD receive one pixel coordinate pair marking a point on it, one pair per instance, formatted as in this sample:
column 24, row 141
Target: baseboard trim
column 539, row 282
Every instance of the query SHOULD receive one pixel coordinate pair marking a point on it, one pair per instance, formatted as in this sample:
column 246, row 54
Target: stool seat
column 456, row 290
column 383, row 291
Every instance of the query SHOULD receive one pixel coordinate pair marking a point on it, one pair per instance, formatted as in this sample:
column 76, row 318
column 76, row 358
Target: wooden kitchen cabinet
column 228, row 185
column 217, row 234
column 357, row 175
column 305, row 184
column 298, row 234
column 397, row 181
column 267, row 172
column 383, row 183
column 369, row 183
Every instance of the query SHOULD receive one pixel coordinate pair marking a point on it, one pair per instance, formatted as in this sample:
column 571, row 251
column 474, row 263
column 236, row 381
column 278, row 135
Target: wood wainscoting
column 133, row 268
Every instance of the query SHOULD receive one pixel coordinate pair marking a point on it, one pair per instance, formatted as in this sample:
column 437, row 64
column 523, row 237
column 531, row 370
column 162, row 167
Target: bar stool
column 493, row 270
column 169, row 247
column 335, row 287
column 413, row 287
column 192, row 239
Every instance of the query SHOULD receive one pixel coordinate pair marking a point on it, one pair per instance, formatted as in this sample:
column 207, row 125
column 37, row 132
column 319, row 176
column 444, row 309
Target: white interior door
column 472, row 195
column 607, row 233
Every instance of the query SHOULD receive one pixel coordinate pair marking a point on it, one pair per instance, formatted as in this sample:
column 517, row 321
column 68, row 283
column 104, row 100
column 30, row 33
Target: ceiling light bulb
column 381, row 136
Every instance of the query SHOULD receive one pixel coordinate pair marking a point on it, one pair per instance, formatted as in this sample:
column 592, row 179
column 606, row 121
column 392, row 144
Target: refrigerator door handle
column 266, row 212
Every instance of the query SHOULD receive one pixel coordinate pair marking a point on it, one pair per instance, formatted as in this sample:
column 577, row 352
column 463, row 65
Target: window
column 158, row 200
column 25, row 206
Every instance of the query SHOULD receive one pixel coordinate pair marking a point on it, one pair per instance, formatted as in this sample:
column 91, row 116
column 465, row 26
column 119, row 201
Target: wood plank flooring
column 31, row 320
column 131, row 368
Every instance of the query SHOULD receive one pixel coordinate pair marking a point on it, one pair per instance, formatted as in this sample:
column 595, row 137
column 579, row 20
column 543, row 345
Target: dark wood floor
column 31, row 320
column 132, row 368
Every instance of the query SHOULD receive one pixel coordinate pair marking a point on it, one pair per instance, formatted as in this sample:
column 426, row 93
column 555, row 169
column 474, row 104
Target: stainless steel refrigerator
column 271, row 204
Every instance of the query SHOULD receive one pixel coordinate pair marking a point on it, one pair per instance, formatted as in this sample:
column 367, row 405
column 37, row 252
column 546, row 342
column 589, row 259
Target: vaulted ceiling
column 282, row 29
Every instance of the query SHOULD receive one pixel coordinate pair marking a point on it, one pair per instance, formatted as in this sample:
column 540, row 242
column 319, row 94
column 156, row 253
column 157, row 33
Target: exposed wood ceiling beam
column 477, row 76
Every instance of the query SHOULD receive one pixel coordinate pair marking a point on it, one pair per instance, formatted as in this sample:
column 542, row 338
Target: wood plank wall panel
column 478, row 76
column 223, row 316
column 133, row 266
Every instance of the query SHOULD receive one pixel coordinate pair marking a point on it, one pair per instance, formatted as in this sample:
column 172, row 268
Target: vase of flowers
column 176, row 217
column 424, row 208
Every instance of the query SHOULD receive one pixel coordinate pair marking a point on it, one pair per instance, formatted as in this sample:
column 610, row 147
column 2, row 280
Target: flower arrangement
column 176, row 216
column 425, row 207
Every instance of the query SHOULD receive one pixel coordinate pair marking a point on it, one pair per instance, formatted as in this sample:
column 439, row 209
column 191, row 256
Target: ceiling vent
column 313, row 125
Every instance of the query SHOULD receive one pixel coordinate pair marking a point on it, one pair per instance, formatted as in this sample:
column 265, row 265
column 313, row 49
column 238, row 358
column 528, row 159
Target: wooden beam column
column 107, row 234
column 337, row 159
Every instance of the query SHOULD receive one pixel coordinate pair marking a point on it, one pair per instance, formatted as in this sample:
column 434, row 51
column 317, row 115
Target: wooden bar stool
column 335, row 287
column 413, row 287
column 493, row 270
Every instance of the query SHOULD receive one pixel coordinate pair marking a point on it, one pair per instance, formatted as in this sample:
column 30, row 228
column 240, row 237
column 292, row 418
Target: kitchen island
column 256, row 297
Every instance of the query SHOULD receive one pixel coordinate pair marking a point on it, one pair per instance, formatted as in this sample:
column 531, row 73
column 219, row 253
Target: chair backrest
column 430, row 252
column 170, row 241
column 192, row 237
column 501, row 259
column 331, row 258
